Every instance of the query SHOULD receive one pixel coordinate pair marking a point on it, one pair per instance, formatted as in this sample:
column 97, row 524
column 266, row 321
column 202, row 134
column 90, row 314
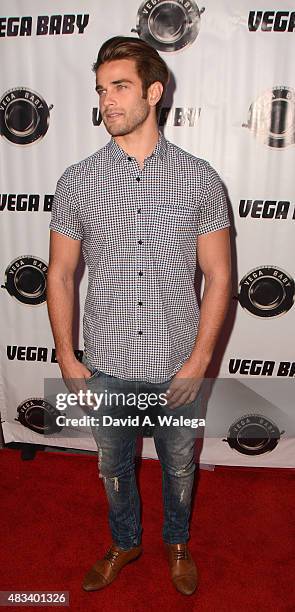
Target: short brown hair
column 149, row 65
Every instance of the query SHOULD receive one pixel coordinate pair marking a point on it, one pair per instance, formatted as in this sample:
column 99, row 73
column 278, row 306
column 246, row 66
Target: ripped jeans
column 116, row 456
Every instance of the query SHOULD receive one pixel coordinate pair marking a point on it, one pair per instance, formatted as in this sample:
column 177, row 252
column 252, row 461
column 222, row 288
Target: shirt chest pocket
column 165, row 216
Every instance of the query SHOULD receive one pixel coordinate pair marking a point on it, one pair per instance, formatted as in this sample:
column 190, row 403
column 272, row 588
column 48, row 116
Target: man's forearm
column 60, row 304
column 213, row 310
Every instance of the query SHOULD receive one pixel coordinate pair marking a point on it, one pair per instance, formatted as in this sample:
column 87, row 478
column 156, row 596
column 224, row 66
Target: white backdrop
column 232, row 102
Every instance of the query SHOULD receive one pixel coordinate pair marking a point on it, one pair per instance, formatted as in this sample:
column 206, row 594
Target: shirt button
column 138, row 178
column 139, row 303
column 129, row 159
column 140, row 333
column 139, row 210
column 139, row 241
column 140, row 273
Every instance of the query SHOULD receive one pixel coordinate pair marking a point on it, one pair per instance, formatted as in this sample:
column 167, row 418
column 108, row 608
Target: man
column 142, row 209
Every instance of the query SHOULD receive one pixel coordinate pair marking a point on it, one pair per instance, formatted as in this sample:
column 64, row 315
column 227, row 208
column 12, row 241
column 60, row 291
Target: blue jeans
column 116, row 457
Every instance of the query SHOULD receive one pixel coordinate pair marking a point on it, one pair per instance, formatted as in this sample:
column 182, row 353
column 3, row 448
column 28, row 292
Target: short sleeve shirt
column 138, row 229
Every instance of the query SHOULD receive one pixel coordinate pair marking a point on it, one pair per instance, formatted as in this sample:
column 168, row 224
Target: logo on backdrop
column 177, row 116
column 43, row 25
column 24, row 116
column 25, row 280
column 267, row 209
column 268, row 21
column 168, row 25
column 271, row 118
column 266, row 291
column 253, row 434
column 25, row 202
column 35, row 353
column 38, row 415
column 261, row 367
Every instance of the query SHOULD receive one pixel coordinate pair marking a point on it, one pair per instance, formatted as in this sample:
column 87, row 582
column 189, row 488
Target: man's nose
column 108, row 99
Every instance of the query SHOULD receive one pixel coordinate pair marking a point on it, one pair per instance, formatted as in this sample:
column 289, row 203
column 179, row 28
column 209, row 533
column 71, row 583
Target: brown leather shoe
column 182, row 568
column 106, row 570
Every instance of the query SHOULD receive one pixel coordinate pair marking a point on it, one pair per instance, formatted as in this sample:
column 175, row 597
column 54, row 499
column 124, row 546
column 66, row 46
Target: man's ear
column 154, row 93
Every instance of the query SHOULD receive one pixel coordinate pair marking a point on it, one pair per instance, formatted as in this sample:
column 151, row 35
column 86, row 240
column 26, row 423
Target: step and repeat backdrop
column 231, row 101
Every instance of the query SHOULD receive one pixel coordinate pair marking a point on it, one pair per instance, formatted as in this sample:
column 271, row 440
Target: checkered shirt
column 139, row 233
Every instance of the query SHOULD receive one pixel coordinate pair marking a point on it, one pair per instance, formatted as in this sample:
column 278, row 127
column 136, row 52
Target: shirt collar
column 119, row 154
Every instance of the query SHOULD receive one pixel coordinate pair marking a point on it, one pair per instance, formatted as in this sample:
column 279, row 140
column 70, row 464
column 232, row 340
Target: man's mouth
column 112, row 116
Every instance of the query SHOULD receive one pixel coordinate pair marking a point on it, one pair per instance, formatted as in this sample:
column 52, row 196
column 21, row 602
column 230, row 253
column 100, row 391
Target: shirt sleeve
column 213, row 213
column 65, row 217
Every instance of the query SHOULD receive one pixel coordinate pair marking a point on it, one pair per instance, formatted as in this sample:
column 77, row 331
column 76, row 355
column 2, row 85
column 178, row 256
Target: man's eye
column 121, row 86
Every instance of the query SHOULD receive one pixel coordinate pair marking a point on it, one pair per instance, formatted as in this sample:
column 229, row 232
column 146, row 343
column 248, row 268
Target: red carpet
column 54, row 527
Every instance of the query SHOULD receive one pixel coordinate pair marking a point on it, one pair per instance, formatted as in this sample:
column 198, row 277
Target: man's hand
column 74, row 374
column 185, row 384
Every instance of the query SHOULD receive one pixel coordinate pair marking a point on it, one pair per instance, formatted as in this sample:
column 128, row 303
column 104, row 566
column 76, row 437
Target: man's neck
column 139, row 144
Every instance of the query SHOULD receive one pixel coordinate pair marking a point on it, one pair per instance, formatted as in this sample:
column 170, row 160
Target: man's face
column 122, row 107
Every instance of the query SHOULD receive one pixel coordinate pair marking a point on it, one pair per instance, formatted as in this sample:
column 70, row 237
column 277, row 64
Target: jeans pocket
column 95, row 374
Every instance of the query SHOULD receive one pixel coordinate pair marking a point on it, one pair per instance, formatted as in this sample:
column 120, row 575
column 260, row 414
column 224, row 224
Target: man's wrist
column 200, row 358
column 65, row 358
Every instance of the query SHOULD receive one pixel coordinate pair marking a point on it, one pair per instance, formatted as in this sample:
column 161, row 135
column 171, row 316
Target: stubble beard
column 130, row 123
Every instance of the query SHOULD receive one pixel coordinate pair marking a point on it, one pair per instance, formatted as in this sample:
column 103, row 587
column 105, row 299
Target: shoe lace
column 111, row 555
column 180, row 554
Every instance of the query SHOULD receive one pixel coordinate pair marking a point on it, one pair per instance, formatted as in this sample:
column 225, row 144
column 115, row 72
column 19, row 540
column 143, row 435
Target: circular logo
column 271, row 118
column 168, row 25
column 24, row 116
column 25, row 279
column 38, row 415
column 266, row 291
column 253, row 434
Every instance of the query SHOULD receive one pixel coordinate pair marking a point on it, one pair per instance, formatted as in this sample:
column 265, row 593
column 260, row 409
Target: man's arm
column 214, row 256
column 215, row 262
column 64, row 256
